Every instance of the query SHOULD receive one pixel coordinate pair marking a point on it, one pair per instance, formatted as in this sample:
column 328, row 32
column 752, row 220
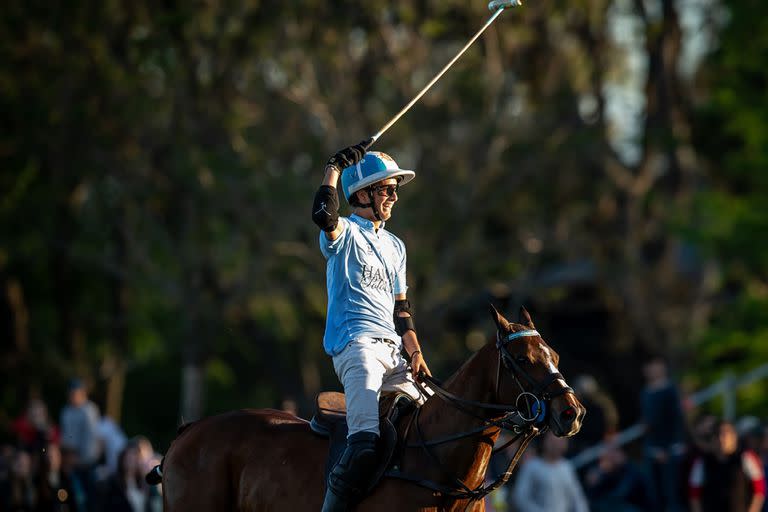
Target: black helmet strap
column 373, row 205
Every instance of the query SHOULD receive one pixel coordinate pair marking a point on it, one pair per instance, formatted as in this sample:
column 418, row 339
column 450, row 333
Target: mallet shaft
column 437, row 77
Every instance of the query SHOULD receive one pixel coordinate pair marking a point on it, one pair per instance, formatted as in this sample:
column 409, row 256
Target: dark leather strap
column 481, row 491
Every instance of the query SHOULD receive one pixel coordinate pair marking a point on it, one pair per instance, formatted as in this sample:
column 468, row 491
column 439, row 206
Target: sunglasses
column 386, row 190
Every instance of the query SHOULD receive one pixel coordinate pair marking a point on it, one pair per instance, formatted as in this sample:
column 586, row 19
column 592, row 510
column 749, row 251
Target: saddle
column 330, row 421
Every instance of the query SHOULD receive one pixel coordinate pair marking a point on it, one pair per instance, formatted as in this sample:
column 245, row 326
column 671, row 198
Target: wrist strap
column 414, row 353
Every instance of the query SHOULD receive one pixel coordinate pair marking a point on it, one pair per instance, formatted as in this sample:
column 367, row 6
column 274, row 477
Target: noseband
column 526, row 424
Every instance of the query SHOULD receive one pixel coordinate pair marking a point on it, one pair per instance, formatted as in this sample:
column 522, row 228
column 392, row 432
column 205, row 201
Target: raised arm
column 325, row 208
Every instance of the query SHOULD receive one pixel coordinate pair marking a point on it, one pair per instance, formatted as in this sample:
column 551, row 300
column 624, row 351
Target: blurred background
column 600, row 161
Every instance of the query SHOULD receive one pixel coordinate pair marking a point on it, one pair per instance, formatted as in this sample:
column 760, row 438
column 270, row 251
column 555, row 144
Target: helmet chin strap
column 372, row 205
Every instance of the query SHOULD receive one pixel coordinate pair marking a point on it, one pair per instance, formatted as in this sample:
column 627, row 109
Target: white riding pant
column 366, row 368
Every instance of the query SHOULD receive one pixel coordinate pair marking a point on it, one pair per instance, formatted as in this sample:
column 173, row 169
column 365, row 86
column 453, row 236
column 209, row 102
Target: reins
column 511, row 421
column 523, row 426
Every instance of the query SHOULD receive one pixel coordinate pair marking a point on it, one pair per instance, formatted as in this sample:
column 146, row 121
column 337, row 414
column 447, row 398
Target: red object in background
column 29, row 435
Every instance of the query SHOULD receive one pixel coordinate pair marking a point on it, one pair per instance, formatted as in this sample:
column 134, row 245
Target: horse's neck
column 465, row 458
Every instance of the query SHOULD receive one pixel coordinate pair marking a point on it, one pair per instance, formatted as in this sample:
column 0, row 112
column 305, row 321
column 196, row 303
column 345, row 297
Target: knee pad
column 352, row 475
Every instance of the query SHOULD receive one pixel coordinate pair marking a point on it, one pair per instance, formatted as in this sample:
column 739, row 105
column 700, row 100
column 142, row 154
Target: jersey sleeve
column 753, row 469
column 330, row 247
column 400, row 285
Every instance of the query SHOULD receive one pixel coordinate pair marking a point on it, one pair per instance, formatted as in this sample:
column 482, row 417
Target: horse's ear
column 501, row 322
column 525, row 318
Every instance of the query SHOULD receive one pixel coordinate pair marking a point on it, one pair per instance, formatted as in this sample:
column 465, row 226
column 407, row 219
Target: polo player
column 369, row 324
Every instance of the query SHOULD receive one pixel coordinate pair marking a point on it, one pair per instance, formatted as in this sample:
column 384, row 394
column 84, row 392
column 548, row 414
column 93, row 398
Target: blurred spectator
column 125, row 490
column 602, row 419
column 763, row 453
column 79, row 431
column 6, row 460
column 548, row 483
column 753, row 438
column 18, row 491
column 113, row 441
column 42, row 475
column 147, row 456
column 56, row 490
column 729, row 479
column 616, row 484
column 33, row 429
column 69, row 465
column 79, row 425
column 662, row 415
column 498, row 501
column 702, row 436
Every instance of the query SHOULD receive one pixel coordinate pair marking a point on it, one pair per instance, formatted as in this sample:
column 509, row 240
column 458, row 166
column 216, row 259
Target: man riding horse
column 370, row 322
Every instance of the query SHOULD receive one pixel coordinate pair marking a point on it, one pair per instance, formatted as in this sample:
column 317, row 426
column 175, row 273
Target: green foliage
column 158, row 164
column 733, row 212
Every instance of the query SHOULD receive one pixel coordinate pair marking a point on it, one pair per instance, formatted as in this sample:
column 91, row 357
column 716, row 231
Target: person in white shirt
column 548, row 483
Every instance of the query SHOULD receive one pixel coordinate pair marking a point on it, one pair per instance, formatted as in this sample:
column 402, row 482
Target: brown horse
column 265, row 460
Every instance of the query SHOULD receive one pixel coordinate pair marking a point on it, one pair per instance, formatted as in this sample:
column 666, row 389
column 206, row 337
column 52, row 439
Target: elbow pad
column 325, row 209
column 403, row 324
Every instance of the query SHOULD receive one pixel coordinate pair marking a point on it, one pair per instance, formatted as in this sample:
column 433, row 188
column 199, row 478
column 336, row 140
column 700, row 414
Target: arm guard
column 325, row 209
column 403, row 324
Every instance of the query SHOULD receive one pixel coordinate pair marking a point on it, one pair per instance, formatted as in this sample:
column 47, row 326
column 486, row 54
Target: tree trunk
column 116, row 370
column 191, row 391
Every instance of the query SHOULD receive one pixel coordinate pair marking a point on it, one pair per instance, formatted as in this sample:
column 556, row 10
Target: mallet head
column 496, row 5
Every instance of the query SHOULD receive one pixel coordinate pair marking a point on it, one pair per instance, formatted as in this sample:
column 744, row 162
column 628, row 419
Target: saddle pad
column 330, row 414
column 331, row 405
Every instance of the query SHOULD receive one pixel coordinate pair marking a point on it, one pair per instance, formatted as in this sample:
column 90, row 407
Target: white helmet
column 375, row 166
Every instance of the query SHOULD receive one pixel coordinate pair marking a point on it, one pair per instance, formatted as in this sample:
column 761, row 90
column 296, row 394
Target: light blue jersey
column 364, row 272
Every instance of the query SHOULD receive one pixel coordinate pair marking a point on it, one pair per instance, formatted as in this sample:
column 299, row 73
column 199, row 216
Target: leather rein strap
column 462, row 492
column 523, row 426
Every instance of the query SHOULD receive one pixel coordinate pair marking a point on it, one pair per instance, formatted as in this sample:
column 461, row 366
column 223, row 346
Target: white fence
column 725, row 387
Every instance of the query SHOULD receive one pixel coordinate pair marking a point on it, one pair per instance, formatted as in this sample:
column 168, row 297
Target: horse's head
column 528, row 377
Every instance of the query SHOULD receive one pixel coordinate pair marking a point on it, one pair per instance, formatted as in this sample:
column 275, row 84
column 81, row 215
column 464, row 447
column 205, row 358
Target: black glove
column 350, row 155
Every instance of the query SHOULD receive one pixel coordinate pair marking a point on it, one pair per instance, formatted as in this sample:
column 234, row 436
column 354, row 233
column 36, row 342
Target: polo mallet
column 497, row 7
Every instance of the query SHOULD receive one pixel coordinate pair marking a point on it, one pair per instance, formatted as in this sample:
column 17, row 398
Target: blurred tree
column 159, row 162
column 732, row 212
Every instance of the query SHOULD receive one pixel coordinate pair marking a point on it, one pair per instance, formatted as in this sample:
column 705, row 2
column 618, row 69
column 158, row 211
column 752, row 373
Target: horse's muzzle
column 567, row 415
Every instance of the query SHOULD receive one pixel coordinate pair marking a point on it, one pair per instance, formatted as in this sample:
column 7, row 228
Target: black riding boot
column 351, row 476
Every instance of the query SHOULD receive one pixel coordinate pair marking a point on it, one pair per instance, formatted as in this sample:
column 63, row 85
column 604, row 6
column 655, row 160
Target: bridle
column 524, row 424
column 540, row 396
